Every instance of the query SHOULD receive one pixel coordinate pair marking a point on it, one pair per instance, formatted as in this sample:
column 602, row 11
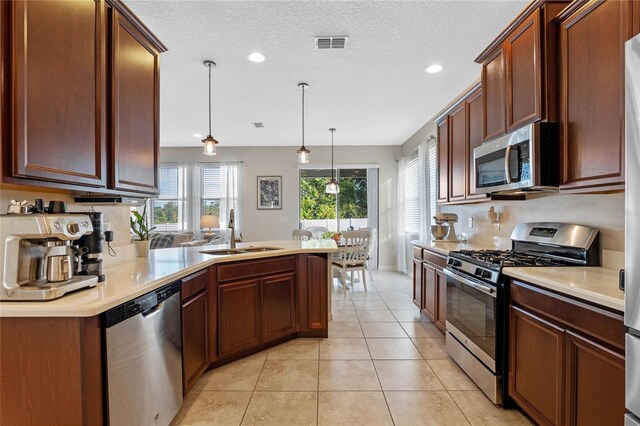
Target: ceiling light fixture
column 432, row 69
column 303, row 152
column 209, row 142
column 256, row 57
column 332, row 185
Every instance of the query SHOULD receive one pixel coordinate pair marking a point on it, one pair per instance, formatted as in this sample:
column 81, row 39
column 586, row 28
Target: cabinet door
column 536, row 366
column 135, row 79
column 443, row 161
column 59, row 92
column 278, row 306
column 592, row 94
column 417, row 283
column 239, row 318
column 195, row 344
column 523, row 60
column 493, row 124
column 595, row 383
column 441, row 293
column 313, row 287
column 458, row 153
column 474, row 139
column 429, row 296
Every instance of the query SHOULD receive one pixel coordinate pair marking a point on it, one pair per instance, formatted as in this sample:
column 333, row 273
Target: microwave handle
column 507, row 159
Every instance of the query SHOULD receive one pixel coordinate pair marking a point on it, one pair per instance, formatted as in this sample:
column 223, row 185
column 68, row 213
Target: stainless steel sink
column 222, row 252
column 244, row 250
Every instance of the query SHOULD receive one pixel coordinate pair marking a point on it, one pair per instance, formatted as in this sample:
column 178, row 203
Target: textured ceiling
column 375, row 92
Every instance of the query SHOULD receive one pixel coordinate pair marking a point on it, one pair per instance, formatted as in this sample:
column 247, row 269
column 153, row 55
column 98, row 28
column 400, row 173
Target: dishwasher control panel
column 140, row 304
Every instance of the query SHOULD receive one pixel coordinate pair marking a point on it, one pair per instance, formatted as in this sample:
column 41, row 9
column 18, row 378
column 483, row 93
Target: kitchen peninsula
column 232, row 305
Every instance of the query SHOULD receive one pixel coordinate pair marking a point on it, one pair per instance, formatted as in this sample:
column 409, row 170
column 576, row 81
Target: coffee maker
column 38, row 259
column 90, row 247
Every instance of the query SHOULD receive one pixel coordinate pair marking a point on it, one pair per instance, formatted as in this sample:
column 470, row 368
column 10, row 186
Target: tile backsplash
column 602, row 211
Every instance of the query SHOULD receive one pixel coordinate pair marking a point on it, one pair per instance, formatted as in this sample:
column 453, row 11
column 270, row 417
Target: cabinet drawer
column 434, row 259
column 253, row 268
column 417, row 253
column 194, row 283
column 599, row 323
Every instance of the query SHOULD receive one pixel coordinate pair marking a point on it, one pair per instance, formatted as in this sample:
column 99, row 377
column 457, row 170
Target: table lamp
column 209, row 221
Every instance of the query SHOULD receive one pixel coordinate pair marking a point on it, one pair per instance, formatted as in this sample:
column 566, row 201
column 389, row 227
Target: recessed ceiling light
column 432, row 69
column 197, row 135
column 256, row 57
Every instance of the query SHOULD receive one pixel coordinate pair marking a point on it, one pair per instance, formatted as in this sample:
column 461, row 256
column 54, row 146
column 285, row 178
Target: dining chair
column 371, row 240
column 353, row 256
column 317, row 231
column 301, row 234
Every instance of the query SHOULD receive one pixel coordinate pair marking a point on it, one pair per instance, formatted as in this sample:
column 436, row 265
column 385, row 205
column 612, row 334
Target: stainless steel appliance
column 38, row 262
column 477, row 298
column 144, row 358
column 526, row 160
column 90, row 248
column 632, row 230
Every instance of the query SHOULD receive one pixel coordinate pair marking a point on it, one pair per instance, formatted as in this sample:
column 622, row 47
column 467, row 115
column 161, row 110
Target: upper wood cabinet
column 83, row 89
column 592, row 93
column 443, row 160
column 493, row 123
column 59, row 91
column 474, row 139
column 458, row 167
column 519, row 69
column 459, row 132
column 135, row 92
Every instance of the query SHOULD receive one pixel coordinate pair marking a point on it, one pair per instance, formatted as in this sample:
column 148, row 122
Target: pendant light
column 332, row 186
column 209, row 142
column 303, row 152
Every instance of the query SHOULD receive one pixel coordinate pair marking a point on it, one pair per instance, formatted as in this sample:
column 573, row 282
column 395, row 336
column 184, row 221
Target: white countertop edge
column 76, row 305
column 561, row 287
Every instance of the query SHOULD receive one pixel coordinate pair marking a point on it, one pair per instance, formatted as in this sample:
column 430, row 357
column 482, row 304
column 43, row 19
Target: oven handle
column 507, row 159
column 483, row 288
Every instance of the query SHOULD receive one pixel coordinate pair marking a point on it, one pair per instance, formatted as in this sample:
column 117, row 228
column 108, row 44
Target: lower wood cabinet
column 566, row 359
column 195, row 339
column 430, row 286
column 429, row 304
column 313, row 295
column 418, row 283
column 441, row 297
column 278, row 306
column 239, row 316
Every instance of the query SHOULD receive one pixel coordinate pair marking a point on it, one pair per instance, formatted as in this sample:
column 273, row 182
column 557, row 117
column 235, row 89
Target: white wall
column 260, row 225
column 420, row 136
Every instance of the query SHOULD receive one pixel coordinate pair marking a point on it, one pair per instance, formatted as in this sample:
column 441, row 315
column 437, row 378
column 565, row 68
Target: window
column 168, row 207
column 412, row 193
column 210, row 190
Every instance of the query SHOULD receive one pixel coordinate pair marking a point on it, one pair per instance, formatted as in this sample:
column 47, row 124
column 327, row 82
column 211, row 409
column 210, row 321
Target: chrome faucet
column 231, row 226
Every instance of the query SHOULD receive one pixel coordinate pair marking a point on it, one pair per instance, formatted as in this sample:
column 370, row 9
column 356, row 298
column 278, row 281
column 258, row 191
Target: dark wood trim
column 133, row 18
column 238, row 270
column 458, row 100
column 5, row 95
column 635, row 17
column 536, row 4
column 213, row 314
column 574, row 6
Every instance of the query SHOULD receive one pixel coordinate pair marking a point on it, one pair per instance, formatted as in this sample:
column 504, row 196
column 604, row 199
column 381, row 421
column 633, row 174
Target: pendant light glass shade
column 303, row 152
column 332, row 186
column 209, row 142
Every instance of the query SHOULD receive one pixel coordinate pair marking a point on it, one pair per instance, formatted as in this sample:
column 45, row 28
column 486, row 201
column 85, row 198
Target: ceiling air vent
column 335, row 42
column 258, row 125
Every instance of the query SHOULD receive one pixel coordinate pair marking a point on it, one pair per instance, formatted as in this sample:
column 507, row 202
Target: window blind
column 412, row 193
column 432, row 170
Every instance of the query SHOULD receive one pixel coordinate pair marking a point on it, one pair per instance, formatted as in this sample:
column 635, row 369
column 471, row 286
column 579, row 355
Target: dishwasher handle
column 154, row 310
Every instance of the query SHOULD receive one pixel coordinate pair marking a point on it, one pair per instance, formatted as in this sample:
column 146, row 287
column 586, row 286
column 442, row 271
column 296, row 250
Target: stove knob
column 456, row 262
column 486, row 274
column 73, row 228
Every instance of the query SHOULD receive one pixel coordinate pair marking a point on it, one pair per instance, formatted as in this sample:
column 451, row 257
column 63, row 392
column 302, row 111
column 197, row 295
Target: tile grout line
column 254, row 390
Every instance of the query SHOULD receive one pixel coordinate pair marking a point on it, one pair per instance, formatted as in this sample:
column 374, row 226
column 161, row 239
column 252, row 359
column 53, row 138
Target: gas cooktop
column 508, row 258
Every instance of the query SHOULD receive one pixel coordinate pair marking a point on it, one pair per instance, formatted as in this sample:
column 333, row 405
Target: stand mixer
column 449, row 219
column 38, row 260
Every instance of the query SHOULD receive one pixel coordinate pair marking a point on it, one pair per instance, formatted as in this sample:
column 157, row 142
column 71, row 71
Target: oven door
column 504, row 164
column 472, row 314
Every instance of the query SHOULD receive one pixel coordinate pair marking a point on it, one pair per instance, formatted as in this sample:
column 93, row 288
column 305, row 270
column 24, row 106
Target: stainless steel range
column 477, row 297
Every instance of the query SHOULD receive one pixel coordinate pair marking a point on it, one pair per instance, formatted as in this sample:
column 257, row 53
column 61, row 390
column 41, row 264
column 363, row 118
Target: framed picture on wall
column 269, row 192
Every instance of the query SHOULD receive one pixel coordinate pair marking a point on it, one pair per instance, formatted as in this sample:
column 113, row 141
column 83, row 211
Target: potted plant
column 140, row 227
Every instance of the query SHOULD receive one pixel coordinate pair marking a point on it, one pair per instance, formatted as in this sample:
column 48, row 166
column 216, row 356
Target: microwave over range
column 526, row 160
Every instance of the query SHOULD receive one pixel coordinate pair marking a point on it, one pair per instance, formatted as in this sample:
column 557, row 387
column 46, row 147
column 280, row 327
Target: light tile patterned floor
column 383, row 364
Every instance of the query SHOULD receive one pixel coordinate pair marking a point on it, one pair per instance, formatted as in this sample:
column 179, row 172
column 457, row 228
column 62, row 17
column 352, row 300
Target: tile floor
column 383, row 364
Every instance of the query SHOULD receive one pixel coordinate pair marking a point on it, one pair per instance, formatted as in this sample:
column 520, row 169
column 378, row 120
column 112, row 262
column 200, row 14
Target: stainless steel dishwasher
column 144, row 359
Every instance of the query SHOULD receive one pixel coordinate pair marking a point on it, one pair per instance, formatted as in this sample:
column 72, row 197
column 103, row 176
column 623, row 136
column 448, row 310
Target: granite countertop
column 593, row 284
column 137, row 276
column 590, row 283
